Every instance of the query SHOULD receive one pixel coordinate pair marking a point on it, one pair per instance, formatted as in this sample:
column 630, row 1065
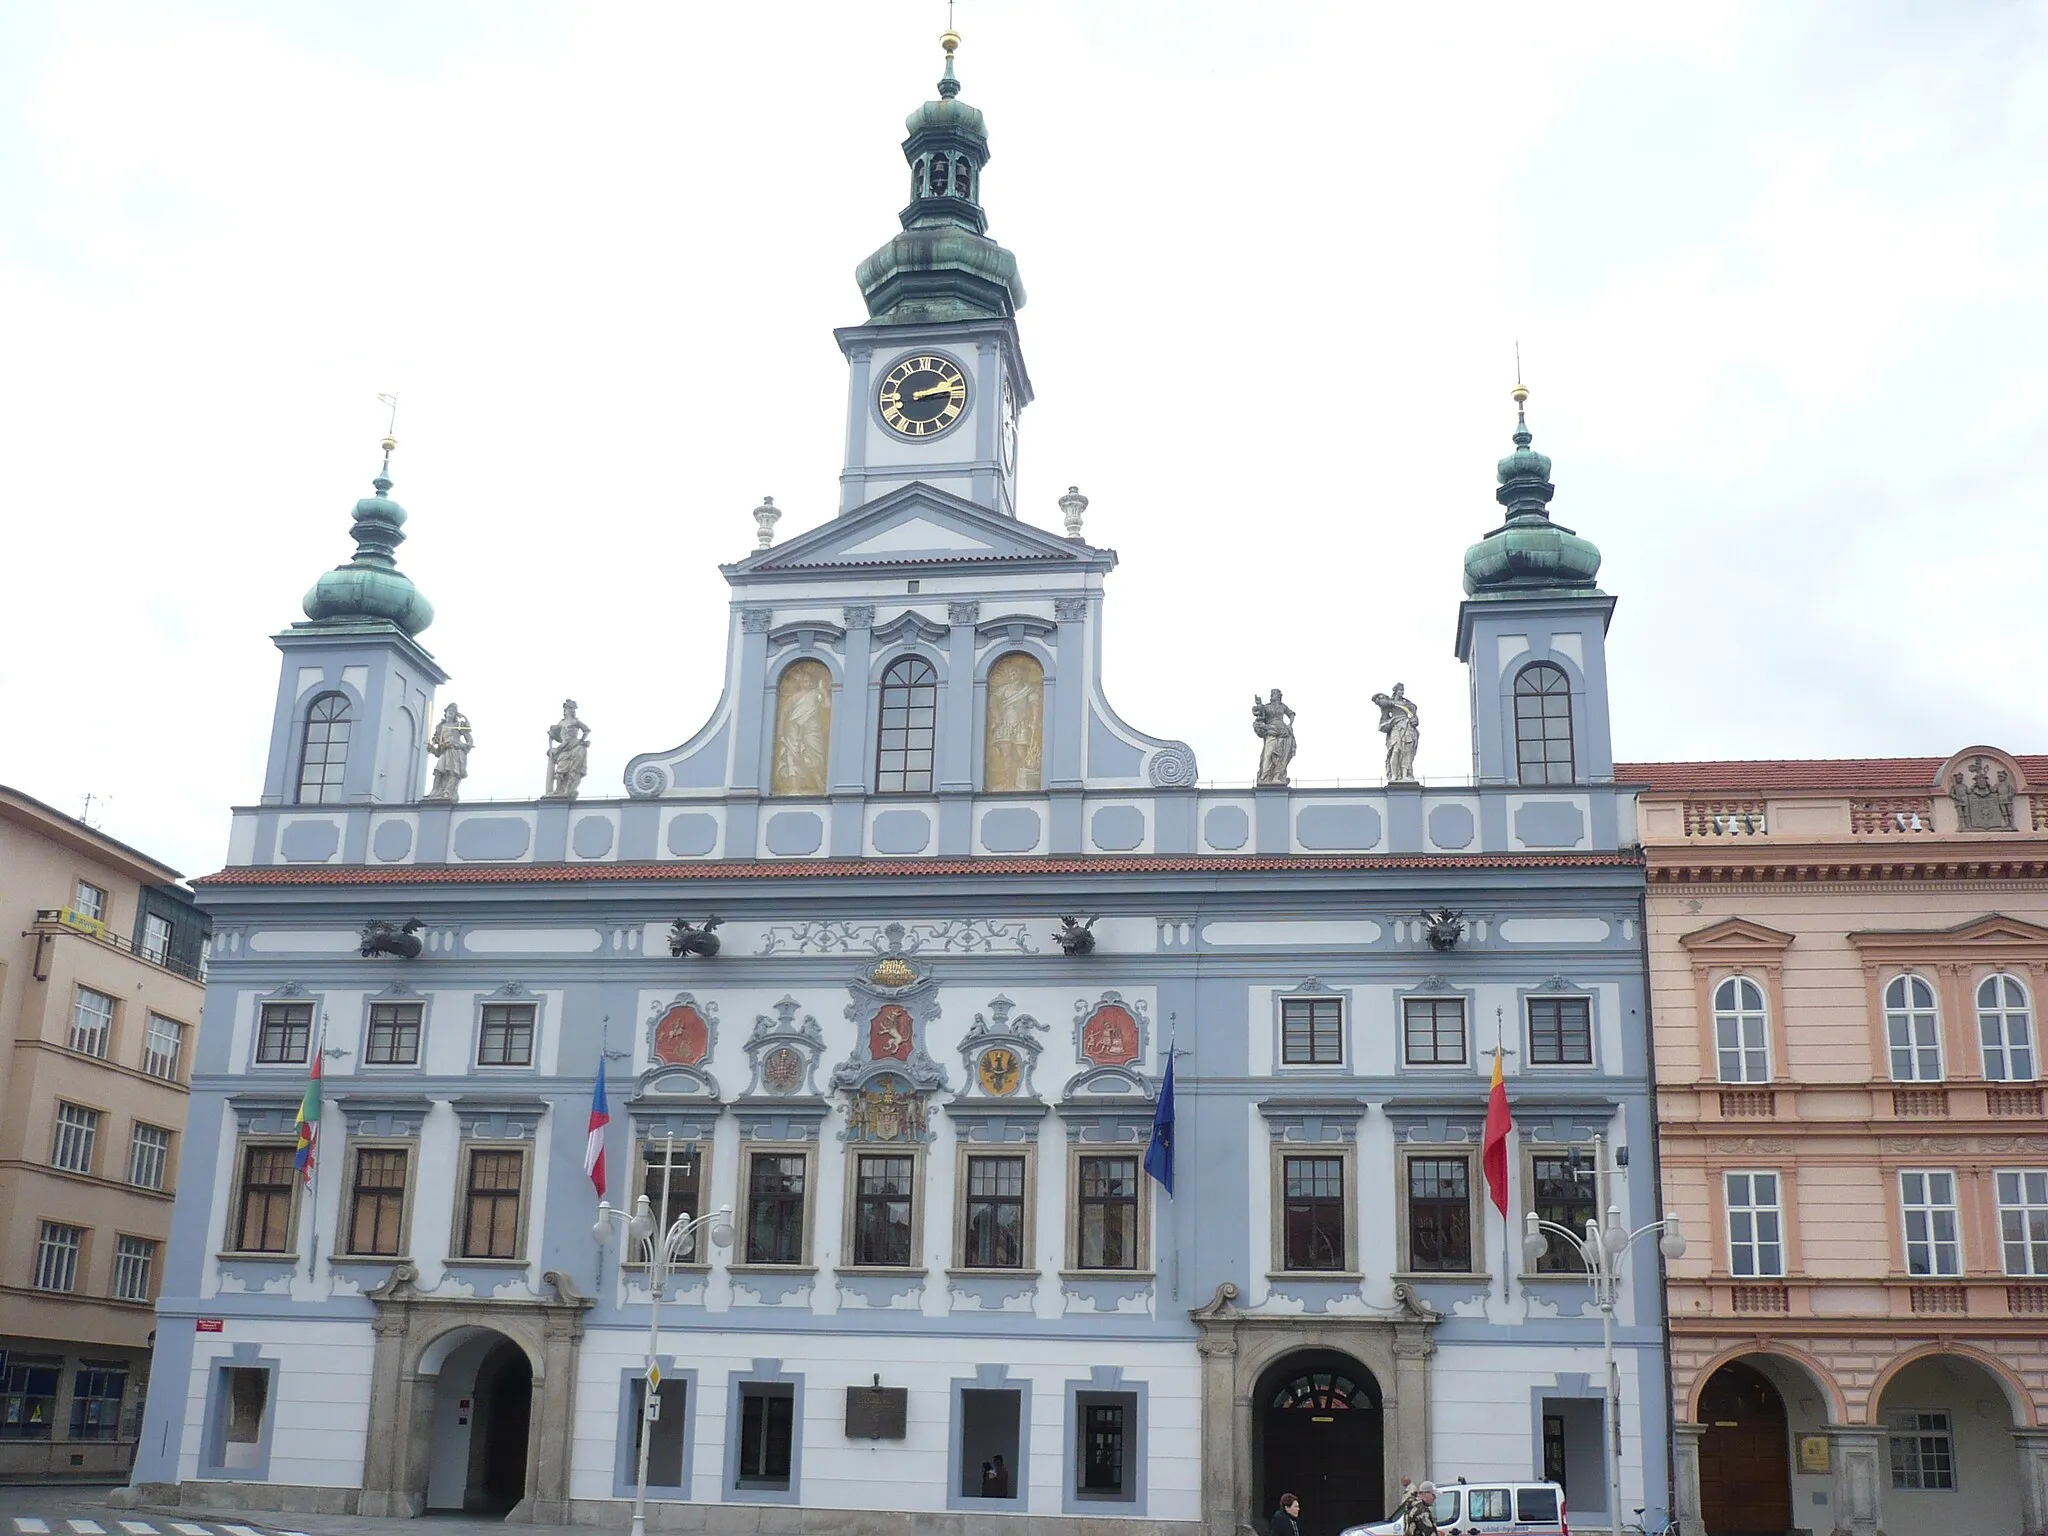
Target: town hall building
column 966, row 918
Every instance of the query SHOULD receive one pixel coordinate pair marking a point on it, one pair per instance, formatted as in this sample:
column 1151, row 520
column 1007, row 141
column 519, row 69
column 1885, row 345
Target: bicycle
column 1637, row 1527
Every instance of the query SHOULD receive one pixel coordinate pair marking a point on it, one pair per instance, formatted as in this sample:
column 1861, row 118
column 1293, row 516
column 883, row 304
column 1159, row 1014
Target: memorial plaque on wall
column 876, row 1413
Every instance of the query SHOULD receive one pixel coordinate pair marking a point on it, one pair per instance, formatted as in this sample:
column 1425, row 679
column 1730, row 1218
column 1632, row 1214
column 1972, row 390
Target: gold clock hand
column 936, row 389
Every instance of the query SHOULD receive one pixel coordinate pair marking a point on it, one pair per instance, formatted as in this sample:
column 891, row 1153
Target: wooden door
column 1745, row 1455
column 1322, row 1443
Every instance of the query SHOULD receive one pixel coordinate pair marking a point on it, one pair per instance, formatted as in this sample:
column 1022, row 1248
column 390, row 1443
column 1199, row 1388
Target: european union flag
column 1159, row 1156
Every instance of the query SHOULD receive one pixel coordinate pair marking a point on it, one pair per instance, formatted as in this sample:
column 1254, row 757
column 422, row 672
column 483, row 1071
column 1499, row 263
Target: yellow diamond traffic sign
column 654, row 1376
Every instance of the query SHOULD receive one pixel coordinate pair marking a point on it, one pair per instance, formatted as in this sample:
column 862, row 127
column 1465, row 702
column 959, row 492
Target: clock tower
column 936, row 377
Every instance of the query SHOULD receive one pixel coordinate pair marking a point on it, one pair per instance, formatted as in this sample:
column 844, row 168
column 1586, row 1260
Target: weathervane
column 390, row 433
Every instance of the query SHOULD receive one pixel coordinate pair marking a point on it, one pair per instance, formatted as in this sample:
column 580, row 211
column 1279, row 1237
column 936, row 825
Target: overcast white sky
column 1779, row 273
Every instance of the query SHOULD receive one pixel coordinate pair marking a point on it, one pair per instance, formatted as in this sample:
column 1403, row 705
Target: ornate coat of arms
column 682, row 1033
column 894, row 1001
column 1109, row 1033
column 1000, row 1053
column 1112, row 1038
column 784, row 1052
column 886, row 1111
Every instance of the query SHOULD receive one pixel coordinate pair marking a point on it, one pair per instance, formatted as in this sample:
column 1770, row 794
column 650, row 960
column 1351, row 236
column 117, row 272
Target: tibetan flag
column 593, row 1148
column 309, row 1124
column 1159, row 1155
column 1493, row 1155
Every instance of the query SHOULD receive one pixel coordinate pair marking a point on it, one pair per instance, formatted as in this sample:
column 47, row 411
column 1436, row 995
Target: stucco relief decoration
column 1000, row 1053
column 894, row 1003
column 803, row 727
column 783, row 1053
column 886, row 1111
column 1013, row 746
column 889, row 1033
column 681, row 1034
column 1172, row 766
column 1982, row 803
column 1111, row 1036
column 958, row 937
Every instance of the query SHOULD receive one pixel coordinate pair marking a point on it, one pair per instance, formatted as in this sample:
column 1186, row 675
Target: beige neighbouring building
column 1847, row 963
column 101, row 955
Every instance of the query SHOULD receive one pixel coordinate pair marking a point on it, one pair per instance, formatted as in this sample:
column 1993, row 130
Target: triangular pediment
column 1994, row 928
column 1734, row 933
column 919, row 524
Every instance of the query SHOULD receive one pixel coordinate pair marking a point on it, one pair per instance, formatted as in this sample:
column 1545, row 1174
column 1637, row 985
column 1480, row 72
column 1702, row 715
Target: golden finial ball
column 1520, row 394
column 949, row 41
column 390, row 443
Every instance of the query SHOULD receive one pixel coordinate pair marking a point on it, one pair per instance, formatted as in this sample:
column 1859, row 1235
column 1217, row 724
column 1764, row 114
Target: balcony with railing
column 67, row 922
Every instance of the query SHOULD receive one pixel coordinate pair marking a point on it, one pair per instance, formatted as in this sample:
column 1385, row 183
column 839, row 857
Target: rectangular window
column 490, row 1205
column 1312, row 1031
column 284, row 1034
column 1756, row 1226
column 149, row 1156
column 990, row 1440
column 1105, row 1460
column 1107, row 1213
column 1562, row 1190
column 394, row 1037
column 263, row 1216
column 994, row 1234
column 57, row 1249
column 156, row 939
column 665, row 1444
column 134, row 1259
column 506, row 1038
column 28, row 1399
column 671, row 1175
column 244, row 1399
column 1313, row 1237
column 2008, row 1037
column 776, row 1191
column 2023, row 1220
column 1914, row 1038
column 96, row 1393
column 88, row 900
column 92, row 1020
column 1561, row 1031
column 1433, row 1031
column 1742, row 1047
column 767, row 1435
column 881, row 1212
column 1440, row 1214
column 1928, row 1202
column 71, row 1145
column 376, row 1202
column 1923, row 1454
column 163, row 1047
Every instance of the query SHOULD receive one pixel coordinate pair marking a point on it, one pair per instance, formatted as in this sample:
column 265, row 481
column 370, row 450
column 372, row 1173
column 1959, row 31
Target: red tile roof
column 801, row 869
column 1762, row 775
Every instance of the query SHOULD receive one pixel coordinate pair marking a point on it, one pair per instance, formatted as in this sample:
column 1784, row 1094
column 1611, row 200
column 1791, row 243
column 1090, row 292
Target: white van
column 1488, row 1509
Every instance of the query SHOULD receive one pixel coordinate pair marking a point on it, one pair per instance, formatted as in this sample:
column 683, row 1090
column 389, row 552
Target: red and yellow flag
column 1494, row 1154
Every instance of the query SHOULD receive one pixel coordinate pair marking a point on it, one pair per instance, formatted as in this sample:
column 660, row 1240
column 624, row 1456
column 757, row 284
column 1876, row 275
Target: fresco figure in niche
column 1401, row 723
column 1982, row 806
column 568, row 753
column 450, row 744
column 1013, row 752
column 803, row 727
column 1273, row 724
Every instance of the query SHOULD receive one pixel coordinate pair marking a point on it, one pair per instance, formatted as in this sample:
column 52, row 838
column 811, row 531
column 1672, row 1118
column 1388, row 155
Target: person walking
column 1286, row 1519
column 1417, row 1512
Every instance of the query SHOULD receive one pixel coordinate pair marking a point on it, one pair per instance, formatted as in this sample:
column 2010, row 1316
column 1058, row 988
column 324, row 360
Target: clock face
column 923, row 395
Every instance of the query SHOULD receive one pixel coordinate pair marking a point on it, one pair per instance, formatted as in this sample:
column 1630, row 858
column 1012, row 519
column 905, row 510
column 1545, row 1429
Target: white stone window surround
column 514, row 995
column 850, row 1210
column 1930, row 1223
column 289, row 994
column 1912, row 1030
column 2005, row 1029
column 342, row 1250
column 1475, row 1220
column 966, row 1153
column 1140, row 1269
column 1435, row 989
column 1742, row 1031
column 458, row 1236
column 1754, row 1200
column 694, row 1137
column 750, row 1149
column 1312, row 989
column 1559, row 987
column 399, row 994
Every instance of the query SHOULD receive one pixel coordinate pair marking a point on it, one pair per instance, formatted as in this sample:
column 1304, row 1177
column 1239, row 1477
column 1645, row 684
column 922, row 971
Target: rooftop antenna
column 85, row 814
column 390, row 436
column 1520, row 392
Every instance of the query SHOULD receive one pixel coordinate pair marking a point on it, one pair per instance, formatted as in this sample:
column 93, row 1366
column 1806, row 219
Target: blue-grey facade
column 928, row 1118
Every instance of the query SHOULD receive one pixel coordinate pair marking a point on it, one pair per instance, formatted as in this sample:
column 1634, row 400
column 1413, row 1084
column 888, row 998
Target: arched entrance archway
column 1948, row 1421
column 1319, row 1434
column 1745, row 1454
column 481, row 1409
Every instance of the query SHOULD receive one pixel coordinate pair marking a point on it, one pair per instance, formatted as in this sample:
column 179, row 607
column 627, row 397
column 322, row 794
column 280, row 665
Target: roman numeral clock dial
column 922, row 395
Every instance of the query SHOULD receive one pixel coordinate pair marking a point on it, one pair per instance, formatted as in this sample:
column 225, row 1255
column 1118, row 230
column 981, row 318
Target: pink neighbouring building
column 1847, row 964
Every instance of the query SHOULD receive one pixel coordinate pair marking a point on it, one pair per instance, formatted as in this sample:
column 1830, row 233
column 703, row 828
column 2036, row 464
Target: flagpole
column 314, row 1160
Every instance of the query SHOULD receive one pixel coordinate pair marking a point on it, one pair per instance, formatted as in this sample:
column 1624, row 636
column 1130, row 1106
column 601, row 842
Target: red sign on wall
column 681, row 1038
column 208, row 1325
column 1110, row 1037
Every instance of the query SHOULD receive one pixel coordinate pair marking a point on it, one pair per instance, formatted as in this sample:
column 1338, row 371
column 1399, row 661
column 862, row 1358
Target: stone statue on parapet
column 1401, row 723
column 1273, row 724
column 568, row 753
column 450, row 745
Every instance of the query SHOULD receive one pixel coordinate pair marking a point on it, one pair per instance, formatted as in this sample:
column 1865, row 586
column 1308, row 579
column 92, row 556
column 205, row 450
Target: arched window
column 803, row 729
column 1912, row 1028
column 1742, row 1042
column 910, row 712
column 326, row 750
column 962, row 177
column 1013, row 735
column 1543, row 724
column 918, row 168
column 2005, row 1023
column 941, row 171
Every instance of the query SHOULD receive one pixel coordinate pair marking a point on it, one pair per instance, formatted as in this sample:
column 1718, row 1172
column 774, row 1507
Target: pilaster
column 1857, row 1461
column 1686, row 1479
column 2033, row 1452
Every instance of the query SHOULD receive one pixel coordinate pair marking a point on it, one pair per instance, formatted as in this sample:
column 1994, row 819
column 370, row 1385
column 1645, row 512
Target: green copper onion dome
column 1528, row 552
column 371, row 586
column 942, row 266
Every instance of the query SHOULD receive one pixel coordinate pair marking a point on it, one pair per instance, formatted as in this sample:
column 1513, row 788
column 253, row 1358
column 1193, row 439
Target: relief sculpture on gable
column 1013, row 749
column 803, row 727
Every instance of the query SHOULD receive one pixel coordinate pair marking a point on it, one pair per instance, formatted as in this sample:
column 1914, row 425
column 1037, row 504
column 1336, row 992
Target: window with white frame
column 71, row 1145
column 778, row 1185
column 1912, row 1028
column 1756, row 1226
column 88, row 900
column 1107, row 1209
column 993, row 1216
column 57, row 1249
column 1742, row 1042
column 2005, row 1025
column 1927, row 1201
column 284, row 1034
column 884, row 1196
column 325, row 753
column 156, row 939
column 393, row 1038
column 1312, row 1031
column 92, row 1020
column 1923, row 1451
column 505, row 1038
column 149, row 1156
column 1560, row 1031
column 2023, row 1220
column 1433, row 1031
column 162, row 1046
column 134, row 1258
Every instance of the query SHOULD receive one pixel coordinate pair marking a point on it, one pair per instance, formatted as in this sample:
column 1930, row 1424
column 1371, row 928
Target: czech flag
column 593, row 1149
column 309, row 1125
column 1493, row 1155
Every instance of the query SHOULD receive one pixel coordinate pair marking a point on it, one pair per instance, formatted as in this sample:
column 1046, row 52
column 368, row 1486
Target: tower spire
column 1528, row 551
column 371, row 586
